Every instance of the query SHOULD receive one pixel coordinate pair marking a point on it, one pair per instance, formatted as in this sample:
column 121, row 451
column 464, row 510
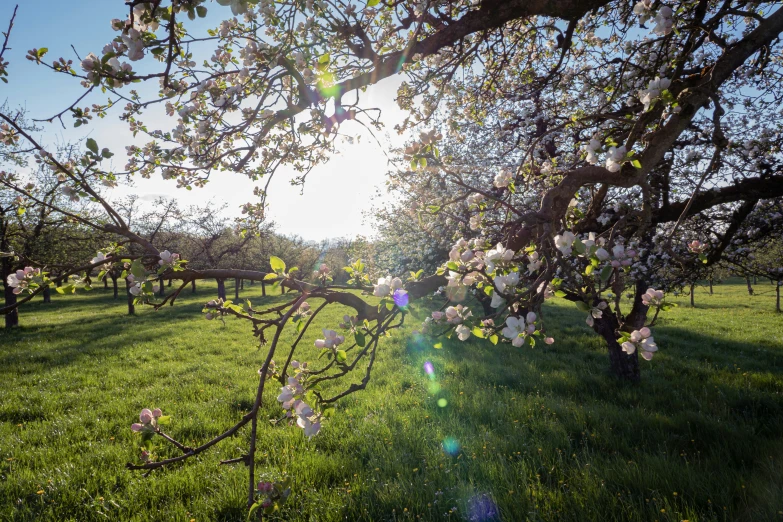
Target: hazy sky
column 334, row 197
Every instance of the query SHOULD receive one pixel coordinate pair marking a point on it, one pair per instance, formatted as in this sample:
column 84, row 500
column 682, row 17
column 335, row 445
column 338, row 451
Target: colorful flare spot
column 442, row 403
column 434, row 388
column 451, row 446
column 428, row 368
column 401, row 298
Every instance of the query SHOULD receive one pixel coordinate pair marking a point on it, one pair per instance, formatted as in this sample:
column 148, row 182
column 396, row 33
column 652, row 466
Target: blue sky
column 334, row 198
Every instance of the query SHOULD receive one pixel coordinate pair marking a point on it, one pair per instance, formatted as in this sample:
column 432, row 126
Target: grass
column 532, row 434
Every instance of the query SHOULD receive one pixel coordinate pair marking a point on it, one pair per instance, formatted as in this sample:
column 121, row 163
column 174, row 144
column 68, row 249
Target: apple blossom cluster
column 292, row 400
column 518, row 328
column 271, row 496
column 653, row 91
column 596, row 312
column 322, row 275
column 652, row 297
column 148, row 420
column 217, row 306
column 643, row 341
column 302, row 312
column 168, row 259
column 331, row 339
column 615, row 157
column 664, row 20
column 25, row 279
column 697, row 247
column 503, row 178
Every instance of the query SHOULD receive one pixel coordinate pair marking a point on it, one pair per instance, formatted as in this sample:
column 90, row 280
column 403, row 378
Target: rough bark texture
column 193, row 286
column 131, row 306
column 621, row 364
column 221, row 283
column 750, row 288
column 12, row 317
column 47, row 295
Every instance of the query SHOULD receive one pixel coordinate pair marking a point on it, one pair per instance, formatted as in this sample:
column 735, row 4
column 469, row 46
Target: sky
column 335, row 196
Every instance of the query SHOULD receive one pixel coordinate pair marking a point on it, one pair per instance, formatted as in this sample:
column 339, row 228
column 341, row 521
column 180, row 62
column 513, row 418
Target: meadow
column 498, row 433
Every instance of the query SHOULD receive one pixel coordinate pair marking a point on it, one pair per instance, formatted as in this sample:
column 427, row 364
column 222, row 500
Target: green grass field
column 531, row 434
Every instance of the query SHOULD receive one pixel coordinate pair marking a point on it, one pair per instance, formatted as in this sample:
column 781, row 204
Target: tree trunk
column 105, row 283
column 236, row 289
column 693, row 286
column 750, row 288
column 710, row 286
column 241, row 284
column 777, row 296
column 12, row 317
column 755, row 280
column 59, row 283
column 169, row 285
column 621, row 364
column 263, row 288
column 131, row 307
column 115, row 287
column 162, row 289
column 221, row 289
column 47, row 294
column 252, row 282
column 193, row 286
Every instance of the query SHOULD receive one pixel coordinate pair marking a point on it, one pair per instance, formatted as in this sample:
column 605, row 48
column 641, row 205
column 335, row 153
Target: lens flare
column 482, row 508
column 401, row 298
column 451, row 446
column 443, row 403
column 433, row 388
column 429, row 369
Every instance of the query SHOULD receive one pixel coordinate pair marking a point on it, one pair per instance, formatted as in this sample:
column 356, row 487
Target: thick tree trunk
column 221, row 289
column 622, row 365
column 263, row 288
column 131, row 306
column 750, row 288
column 115, row 287
column 169, row 285
column 47, row 295
column 710, row 286
column 12, row 317
column 693, row 287
column 236, row 289
column 193, row 286
column 241, row 284
column 162, row 289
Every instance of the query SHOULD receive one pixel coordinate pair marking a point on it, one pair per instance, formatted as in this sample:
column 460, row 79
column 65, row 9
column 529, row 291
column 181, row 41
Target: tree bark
column 169, row 285
column 236, row 289
column 114, row 286
column 131, row 306
column 221, row 289
column 693, row 287
column 750, row 288
column 193, row 286
column 47, row 295
column 710, row 286
column 12, row 317
column 162, row 289
column 263, row 288
column 241, row 284
column 777, row 297
column 622, row 365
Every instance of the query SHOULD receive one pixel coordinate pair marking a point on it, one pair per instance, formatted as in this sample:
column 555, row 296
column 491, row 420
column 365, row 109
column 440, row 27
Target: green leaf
column 493, row 339
column 372, row 3
column 579, row 246
column 342, row 356
column 92, row 145
column 359, row 338
column 478, row 332
column 452, row 265
column 582, row 306
column 606, row 273
column 636, row 164
column 437, row 346
column 137, row 269
column 589, row 269
column 201, row 11
column 164, row 420
column 270, row 276
column 559, row 293
column 278, row 265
